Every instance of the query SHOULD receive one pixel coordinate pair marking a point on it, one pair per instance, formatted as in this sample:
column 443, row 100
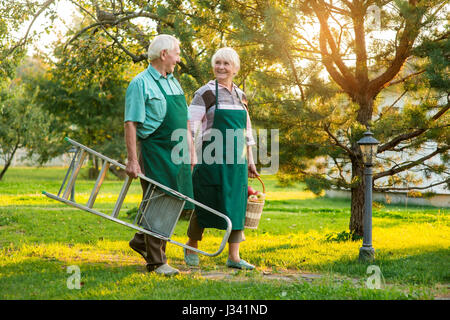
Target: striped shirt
column 203, row 107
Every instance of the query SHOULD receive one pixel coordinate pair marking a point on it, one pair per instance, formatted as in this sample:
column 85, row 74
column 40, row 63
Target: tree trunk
column 93, row 172
column 365, row 111
column 8, row 161
column 119, row 173
column 364, row 117
column 357, row 203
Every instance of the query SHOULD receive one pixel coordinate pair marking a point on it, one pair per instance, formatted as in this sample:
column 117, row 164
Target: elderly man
column 155, row 106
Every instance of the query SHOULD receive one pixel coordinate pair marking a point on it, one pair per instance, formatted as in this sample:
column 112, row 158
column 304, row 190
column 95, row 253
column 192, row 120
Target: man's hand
column 133, row 169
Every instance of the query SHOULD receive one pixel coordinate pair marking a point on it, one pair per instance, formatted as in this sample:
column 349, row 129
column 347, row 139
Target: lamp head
column 368, row 145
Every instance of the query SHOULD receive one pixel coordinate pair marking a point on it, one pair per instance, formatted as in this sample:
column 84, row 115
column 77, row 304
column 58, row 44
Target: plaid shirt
column 203, row 107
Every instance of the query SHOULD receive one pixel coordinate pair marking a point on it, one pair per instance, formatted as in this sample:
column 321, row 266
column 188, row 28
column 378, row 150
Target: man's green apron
column 223, row 186
column 157, row 149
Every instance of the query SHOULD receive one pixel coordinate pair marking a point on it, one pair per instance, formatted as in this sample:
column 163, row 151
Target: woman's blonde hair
column 227, row 54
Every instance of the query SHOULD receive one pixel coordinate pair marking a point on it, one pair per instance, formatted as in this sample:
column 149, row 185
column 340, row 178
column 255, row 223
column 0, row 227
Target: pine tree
column 367, row 50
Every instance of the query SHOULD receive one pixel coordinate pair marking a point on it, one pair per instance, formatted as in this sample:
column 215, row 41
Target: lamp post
column 368, row 145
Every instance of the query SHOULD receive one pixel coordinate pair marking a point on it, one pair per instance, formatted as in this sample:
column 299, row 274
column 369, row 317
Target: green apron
column 223, row 186
column 157, row 148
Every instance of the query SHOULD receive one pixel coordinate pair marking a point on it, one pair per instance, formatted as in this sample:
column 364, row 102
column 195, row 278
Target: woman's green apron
column 223, row 186
column 157, row 149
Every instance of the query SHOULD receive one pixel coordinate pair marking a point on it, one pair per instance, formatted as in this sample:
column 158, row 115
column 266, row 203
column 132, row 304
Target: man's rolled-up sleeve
column 135, row 103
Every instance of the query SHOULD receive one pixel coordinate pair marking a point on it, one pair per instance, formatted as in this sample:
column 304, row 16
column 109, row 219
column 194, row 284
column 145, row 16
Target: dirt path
column 290, row 276
column 261, row 275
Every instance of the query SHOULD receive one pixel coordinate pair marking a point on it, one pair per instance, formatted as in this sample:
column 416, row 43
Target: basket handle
column 264, row 187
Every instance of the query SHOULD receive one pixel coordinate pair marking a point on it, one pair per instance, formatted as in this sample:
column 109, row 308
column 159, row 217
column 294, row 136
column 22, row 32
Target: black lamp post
column 368, row 145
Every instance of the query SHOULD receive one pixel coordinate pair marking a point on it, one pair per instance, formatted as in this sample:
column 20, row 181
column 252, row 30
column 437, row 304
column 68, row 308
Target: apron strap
column 237, row 94
column 240, row 100
column 160, row 88
column 217, row 95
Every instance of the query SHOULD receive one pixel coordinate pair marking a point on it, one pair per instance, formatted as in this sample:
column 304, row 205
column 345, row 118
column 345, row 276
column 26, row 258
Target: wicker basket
column 254, row 211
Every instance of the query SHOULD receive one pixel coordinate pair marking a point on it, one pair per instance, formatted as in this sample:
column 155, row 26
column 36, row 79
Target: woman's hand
column 252, row 173
column 193, row 161
column 192, row 151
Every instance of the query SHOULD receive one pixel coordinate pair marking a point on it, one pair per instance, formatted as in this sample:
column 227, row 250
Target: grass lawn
column 40, row 238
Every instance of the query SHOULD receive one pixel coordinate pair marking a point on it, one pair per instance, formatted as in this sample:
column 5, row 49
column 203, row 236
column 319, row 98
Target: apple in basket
column 260, row 196
column 251, row 191
column 253, row 198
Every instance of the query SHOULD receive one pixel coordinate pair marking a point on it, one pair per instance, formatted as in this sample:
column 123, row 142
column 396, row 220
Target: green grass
column 40, row 238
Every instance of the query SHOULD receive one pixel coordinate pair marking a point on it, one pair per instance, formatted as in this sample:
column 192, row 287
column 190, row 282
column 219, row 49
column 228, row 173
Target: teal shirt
column 145, row 103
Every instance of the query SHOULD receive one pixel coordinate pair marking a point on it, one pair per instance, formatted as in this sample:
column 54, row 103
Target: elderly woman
column 220, row 179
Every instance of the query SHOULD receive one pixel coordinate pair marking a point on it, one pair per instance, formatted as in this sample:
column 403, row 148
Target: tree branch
column 409, row 35
column 337, row 10
column 379, row 189
column 101, row 24
column 294, row 72
column 337, row 142
column 361, row 72
column 391, row 106
column 348, row 4
column 24, row 39
column 335, row 56
column 328, row 63
column 405, row 78
column 395, row 141
column 339, row 169
column 411, row 164
column 114, row 23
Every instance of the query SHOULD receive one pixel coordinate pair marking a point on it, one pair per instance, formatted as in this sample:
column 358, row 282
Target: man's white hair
column 161, row 42
column 228, row 54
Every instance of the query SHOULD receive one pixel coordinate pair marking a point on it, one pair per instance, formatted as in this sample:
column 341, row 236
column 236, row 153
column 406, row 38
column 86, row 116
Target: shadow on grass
column 412, row 266
column 39, row 278
column 280, row 247
column 48, row 279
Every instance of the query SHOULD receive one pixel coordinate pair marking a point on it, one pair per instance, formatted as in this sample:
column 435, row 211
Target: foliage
column 22, row 124
column 85, row 94
column 84, row 81
column 10, row 16
column 16, row 15
column 342, row 236
column 322, row 116
column 319, row 71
